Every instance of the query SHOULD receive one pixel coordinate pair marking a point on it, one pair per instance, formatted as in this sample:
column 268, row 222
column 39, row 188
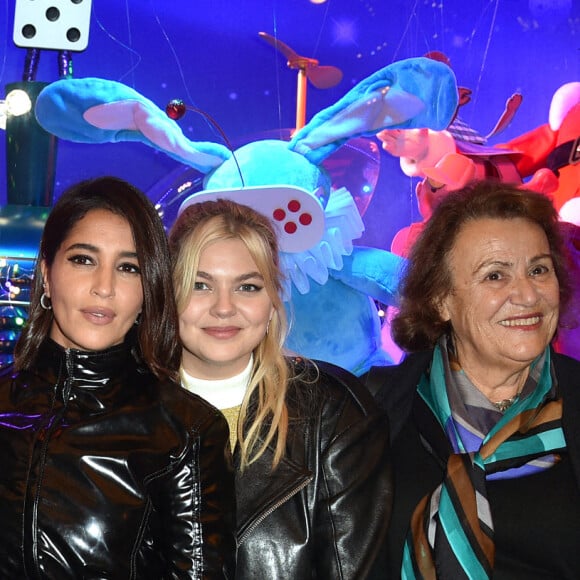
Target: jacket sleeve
column 355, row 490
column 198, row 505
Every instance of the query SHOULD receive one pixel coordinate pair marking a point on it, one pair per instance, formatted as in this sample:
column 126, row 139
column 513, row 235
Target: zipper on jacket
column 51, row 420
column 281, row 501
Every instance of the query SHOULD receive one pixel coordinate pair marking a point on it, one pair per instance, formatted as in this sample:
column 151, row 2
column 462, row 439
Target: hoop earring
column 43, row 303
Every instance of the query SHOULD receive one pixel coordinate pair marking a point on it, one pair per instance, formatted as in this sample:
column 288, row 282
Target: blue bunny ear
column 93, row 110
column 412, row 93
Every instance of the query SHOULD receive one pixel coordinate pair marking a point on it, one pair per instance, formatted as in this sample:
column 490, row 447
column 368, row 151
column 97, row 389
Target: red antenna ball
column 175, row 109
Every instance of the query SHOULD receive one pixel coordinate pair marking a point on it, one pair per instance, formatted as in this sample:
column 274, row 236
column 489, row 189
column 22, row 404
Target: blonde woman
column 312, row 478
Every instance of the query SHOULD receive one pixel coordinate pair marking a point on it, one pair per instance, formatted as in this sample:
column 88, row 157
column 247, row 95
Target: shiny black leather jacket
column 323, row 513
column 106, row 473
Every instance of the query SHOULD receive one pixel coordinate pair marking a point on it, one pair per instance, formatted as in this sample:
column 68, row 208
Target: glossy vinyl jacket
column 324, row 512
column 107, row 473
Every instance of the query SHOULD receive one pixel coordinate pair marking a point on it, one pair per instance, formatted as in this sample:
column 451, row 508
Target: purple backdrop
column 208, row 52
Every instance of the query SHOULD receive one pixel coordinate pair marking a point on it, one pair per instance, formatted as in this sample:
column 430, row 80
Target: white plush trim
column 343, row 224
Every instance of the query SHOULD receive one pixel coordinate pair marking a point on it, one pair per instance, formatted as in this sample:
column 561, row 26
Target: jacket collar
column 87, row 369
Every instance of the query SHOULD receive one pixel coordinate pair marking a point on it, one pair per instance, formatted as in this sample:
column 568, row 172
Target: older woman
column 484, row 416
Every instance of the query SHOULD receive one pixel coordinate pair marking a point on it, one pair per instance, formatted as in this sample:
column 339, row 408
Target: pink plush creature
column 451, row 172
column 545, row 159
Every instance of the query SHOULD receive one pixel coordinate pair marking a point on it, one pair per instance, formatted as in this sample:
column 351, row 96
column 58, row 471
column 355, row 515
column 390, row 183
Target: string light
column 15, row 279
column 16, row 103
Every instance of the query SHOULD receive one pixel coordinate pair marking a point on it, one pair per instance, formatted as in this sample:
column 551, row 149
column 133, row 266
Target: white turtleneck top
column 225, row 394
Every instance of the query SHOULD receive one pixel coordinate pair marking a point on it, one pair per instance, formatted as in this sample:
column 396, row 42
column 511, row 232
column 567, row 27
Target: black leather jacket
column 323, row 513
column 106, row 473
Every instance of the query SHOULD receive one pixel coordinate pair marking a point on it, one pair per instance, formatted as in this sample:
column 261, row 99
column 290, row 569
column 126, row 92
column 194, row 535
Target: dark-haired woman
column 109, row 468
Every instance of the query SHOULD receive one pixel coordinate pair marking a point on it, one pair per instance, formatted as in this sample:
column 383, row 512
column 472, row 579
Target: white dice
column 52, row 24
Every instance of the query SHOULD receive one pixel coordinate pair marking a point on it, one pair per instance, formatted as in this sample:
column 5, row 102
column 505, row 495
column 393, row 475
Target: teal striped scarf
column 451, row 532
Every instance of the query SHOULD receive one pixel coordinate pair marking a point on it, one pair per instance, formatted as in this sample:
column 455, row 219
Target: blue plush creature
column 331, row 284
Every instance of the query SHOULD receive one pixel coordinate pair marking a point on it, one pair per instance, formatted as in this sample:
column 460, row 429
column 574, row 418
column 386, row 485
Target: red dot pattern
column 293, row 206
column 279, row 214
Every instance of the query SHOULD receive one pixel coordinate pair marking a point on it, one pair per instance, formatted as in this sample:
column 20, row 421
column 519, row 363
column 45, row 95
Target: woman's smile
column 228, row 312
column 222, row 332
column 504, row 303
column 523, row 323
column 99, row 315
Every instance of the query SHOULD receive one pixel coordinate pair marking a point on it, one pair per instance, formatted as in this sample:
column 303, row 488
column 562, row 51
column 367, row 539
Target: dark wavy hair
column 157, row 332
column 427, row 278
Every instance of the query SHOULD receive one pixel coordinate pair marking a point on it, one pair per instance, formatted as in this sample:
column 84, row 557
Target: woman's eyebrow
column 82, row 246
column 240, row 278
column 249, row 276
column 95, row 249
column 487, row 263
column 505, row 264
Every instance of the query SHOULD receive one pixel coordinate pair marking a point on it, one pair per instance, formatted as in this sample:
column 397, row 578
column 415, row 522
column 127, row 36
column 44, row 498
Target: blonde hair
column 194, row 230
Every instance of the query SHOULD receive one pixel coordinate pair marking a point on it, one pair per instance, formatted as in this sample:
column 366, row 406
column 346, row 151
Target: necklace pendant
column 503, row 405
